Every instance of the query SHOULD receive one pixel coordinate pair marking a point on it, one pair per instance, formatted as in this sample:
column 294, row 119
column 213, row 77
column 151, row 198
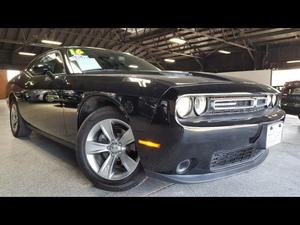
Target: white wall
column 259, row 76
column 11, row 74
column 279, row 77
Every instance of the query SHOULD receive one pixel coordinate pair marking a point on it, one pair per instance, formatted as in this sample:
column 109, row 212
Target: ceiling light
column 224, row 52
column 27, row 53
column 170, row 60
column 293, row 61
column 177, row 40
column 133, row 30
column 133, row 66
column 51, row 42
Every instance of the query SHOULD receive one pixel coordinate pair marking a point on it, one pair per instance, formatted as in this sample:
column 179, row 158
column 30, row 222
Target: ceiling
column 152, row 44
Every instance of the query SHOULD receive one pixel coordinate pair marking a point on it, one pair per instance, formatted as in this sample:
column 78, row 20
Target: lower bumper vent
column 221, row 160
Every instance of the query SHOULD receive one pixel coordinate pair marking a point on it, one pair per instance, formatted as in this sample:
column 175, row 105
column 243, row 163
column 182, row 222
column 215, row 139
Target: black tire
column 132, row 180
column 45, row 97
column 299, row 116
column 22, row 130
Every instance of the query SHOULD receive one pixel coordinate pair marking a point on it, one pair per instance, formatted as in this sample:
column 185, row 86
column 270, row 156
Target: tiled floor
column 36, row 166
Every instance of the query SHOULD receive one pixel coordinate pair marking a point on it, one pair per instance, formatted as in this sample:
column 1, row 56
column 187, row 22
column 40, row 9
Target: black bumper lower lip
column 198, row 178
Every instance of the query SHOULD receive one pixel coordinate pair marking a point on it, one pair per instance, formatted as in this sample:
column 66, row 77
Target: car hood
column 178, row 78
column 201, row 82
column 157, row 83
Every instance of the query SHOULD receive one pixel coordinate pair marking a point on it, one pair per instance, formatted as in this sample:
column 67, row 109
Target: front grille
column 236, row 104
column 221, row 160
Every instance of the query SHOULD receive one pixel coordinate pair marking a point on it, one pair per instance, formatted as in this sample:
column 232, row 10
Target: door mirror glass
column 40, row 69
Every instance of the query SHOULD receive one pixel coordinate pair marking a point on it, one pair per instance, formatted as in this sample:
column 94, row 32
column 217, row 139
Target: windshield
column 85, row 60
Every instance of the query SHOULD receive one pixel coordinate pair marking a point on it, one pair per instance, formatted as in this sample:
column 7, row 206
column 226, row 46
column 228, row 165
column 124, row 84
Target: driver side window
column 51, row 62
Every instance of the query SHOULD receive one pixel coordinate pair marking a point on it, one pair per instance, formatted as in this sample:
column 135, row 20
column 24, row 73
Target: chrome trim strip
column 197, row 129
column 226, row 94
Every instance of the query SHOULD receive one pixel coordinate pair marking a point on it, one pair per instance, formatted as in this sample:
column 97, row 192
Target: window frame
column 44, row 55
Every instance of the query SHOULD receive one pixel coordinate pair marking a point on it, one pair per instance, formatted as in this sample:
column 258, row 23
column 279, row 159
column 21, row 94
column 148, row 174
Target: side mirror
column 40, row 69
column 43, row 70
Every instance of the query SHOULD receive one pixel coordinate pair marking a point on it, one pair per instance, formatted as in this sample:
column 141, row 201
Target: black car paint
column 76, row 95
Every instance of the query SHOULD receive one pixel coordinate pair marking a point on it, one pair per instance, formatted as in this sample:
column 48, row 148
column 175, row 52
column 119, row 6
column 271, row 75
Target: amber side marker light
column 149, row 143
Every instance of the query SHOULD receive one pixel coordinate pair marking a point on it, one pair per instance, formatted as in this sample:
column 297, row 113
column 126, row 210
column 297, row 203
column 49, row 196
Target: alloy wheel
column 110, row 149
column 14, row 118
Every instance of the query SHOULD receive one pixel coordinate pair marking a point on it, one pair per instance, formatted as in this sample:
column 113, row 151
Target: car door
column 41, row 104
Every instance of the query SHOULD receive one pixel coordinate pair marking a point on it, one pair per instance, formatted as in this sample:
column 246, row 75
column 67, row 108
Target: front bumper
column 197, row 178
column 215, row 151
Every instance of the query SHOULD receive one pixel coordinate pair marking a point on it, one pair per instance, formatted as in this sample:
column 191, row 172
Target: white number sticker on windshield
column 86, row 64
column 76, row 57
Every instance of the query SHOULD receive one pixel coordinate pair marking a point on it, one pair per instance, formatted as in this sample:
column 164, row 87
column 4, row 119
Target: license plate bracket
column 274, row 134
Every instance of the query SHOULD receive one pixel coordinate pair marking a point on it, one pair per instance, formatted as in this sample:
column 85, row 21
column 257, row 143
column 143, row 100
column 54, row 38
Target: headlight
column 274, row 98
column 200, row 105
column 183, row 106
column 269, row 100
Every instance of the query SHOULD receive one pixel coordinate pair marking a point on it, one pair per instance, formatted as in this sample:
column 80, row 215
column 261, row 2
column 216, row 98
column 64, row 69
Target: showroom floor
column 36, row 166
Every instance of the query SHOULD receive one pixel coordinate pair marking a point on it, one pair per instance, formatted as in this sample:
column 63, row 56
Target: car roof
column 87, row 47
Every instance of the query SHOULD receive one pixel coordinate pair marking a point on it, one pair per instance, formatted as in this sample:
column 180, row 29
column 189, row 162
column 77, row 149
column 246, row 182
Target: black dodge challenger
column 126, row 118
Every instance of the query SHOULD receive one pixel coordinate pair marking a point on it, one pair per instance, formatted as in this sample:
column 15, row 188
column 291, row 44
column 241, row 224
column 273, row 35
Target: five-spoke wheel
column 106, row 150
column 110, row 149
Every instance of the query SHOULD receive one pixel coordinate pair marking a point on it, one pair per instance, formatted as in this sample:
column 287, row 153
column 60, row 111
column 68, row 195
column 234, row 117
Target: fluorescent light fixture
column 51, row 42
column 293, row 61
column 224, row 52
column 133, row 30
column 27, row 53
column 177, row 40
column 170, row 60
column 133, row 66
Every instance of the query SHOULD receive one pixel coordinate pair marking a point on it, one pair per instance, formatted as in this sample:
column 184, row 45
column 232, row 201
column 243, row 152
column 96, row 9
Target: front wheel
column 106, row 151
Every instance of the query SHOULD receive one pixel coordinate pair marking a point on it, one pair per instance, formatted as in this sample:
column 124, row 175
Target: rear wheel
column 106, row 151
column 18, row 126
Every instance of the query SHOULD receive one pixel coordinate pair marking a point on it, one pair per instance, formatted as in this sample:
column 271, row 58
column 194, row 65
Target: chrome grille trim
column 231, row 103
column 236, row 103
